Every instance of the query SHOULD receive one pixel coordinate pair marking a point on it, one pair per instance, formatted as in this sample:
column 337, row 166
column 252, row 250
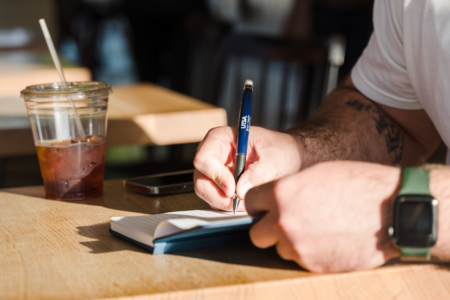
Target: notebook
column 183, row 230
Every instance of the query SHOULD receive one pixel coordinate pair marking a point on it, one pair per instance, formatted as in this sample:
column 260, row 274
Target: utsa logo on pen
column 245, row 123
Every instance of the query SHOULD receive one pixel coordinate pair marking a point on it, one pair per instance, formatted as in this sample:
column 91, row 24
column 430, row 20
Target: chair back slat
column 314, row 63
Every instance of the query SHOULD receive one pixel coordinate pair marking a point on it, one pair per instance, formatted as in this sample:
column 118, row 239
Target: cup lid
column 61, row 89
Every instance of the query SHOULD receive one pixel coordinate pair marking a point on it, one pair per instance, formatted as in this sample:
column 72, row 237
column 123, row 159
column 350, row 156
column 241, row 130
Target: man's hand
column 331, row 217
column 270, row 156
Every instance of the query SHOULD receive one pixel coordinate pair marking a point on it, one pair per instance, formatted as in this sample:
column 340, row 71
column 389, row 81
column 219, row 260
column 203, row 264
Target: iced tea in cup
column 72, row 162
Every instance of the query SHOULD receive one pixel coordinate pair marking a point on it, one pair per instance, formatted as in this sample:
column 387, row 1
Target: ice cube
column 76, row 140
column 94, row 139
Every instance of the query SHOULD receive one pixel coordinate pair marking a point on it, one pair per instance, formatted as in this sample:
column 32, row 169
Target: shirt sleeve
column 380, row 73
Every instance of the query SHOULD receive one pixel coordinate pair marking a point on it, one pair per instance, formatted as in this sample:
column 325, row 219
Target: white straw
column 55, row 58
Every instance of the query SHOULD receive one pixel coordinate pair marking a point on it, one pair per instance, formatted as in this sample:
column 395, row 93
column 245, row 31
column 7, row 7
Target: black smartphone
column 162, row 184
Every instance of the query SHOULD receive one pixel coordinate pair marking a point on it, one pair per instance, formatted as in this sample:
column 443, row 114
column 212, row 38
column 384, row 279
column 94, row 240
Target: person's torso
column 426, row 43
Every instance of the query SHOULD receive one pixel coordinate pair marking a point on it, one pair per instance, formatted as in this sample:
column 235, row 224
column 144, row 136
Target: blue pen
column 242, row 138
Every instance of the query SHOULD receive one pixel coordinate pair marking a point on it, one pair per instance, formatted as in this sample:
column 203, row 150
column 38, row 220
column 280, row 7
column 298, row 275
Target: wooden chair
column 309, row 66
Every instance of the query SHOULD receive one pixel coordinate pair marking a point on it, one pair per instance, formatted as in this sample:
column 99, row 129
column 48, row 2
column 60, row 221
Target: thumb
column 256, row 174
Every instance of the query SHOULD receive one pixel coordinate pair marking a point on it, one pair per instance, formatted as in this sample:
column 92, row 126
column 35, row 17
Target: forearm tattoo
column 385, row 126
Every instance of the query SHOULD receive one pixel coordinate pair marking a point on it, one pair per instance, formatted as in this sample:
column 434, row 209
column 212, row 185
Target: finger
column 214, row 156
column 267, row 159
column 257, row 173
column 286, row 251
column 260, row 199
column 265, row 232
column 206, row 189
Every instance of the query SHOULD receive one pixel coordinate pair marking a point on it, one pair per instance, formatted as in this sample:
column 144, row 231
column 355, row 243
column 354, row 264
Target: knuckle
column 199, row 188
column 210, row 132
column 201, row 163
column 198, row 147
column 261, row 172
column 290, row 232
column 283, row 225
column 284, row 252
column 197, row 175
column 198, row 161
column 215, row 131
column 278, row 190
column 318, row 268
column 308, row 255
column 217, row 176
column 304, row 250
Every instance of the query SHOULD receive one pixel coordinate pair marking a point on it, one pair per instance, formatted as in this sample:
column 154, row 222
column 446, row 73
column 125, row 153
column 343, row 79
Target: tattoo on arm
column 385, row 126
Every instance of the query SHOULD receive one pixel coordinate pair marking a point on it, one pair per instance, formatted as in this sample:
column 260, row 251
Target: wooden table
column 140, row 114
column 54, row 250
column 19, row 69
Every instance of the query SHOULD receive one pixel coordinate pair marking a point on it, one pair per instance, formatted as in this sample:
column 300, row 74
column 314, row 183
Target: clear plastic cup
column 72, row 166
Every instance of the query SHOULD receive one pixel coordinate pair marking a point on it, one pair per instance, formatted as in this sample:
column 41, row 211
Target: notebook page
column 140, row 228
column 145, row 228
column 185, row 220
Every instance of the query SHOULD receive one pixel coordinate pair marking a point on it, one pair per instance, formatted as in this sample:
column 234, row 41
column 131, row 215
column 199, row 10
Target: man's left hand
column 331, row 217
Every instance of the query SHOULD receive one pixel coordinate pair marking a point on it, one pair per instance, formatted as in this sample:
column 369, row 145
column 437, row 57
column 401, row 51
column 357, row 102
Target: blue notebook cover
column 199, row 237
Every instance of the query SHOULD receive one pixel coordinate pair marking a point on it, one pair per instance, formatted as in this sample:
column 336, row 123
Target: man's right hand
column 270, row 156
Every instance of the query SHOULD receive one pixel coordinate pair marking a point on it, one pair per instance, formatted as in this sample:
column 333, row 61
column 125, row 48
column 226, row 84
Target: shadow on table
column 238, row 254
column 242, row 254
column 398, row 262
column 104, row 241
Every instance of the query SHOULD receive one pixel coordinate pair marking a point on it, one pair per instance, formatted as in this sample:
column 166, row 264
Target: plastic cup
column 72, row 167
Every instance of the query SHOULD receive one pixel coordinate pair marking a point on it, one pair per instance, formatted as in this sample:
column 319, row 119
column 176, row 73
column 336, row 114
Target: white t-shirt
column 406, row 64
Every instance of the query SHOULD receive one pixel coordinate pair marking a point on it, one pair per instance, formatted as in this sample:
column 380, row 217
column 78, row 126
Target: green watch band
column 415, row 254
column 415, row 181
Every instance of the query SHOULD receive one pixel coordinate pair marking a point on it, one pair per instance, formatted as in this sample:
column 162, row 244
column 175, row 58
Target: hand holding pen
column 269, row 156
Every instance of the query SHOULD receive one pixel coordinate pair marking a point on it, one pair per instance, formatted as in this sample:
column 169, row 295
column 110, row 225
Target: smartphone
column 162, row 184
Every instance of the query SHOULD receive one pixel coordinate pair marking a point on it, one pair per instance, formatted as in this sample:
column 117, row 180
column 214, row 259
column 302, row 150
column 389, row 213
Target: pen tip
column 235, row 204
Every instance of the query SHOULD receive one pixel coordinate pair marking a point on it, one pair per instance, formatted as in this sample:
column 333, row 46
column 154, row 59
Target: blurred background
column 294, row 50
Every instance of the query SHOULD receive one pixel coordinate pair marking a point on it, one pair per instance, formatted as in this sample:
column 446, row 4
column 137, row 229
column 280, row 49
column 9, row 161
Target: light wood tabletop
column 23, row 68
column 62, row 250
column 139, row 114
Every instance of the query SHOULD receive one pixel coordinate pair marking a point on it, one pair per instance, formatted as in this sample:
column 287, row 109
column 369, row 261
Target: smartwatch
column 414, row 229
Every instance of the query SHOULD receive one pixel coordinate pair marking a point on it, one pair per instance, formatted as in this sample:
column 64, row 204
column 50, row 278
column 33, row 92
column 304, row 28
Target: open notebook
column 183, row 230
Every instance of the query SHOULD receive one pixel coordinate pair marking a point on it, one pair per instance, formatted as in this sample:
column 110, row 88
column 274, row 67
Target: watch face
column 415, row 221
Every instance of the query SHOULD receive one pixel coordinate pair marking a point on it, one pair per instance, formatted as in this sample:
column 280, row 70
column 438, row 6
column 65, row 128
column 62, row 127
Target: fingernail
column 243, row 187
